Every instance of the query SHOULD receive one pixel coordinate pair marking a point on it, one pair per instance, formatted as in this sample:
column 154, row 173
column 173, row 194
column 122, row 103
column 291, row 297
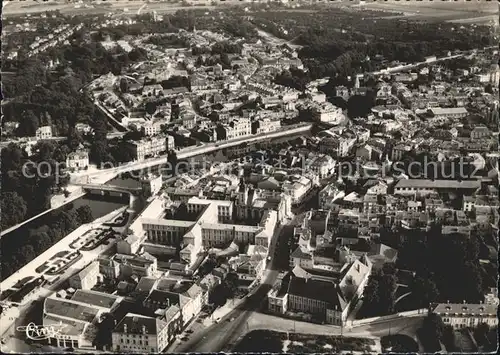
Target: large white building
column 238, row 128
column 149, row 147
column 211, row 226
column 321, row 292
column 467, row 315
column 328, row 113
column 140, row 334
column 267, row 125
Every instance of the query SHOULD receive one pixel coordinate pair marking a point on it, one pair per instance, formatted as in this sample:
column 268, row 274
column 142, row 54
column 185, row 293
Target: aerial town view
column 289, row 176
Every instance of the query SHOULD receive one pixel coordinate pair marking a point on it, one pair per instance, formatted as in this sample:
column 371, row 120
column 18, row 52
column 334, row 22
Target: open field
column 94, row 7
column 467, row 12
column 460, row 11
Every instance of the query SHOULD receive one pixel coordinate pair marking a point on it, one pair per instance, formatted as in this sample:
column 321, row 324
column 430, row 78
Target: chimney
column 124, row 328
column 144, row 330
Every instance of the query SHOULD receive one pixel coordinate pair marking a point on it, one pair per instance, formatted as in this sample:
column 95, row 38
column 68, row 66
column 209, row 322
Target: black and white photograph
column 249, row 176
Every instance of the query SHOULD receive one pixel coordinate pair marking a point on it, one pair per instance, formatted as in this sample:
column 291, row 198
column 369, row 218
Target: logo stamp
column 40, row 332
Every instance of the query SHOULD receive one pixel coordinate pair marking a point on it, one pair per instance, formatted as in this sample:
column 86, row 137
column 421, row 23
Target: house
column 78, row 160
column 44, row 132
column 87, row 278
column 139, row 265
column 480, row 132
column 398, row 151
column 323, row 166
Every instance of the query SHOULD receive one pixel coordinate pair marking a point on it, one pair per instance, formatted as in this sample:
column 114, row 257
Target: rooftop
column 95, row 298
column 438, row 184
column 466, row 308
column 70, row 309
column 138, row 324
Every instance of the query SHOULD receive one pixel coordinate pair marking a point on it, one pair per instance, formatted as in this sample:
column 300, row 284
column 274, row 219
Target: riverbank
column 55, row 204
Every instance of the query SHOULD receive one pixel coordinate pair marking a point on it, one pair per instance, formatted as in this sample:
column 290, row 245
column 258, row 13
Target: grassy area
column 277, row 342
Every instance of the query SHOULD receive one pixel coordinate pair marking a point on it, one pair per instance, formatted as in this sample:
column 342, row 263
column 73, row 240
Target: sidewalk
column 223, row 311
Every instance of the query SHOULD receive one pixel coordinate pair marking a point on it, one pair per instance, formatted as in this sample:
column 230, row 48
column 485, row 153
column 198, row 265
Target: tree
column 84, row 214
column 150, row 107
column 28, row 125
column 449, row 337
column 389, row 269
column 13, row 209
column 433, row 326
column 41, row 241
column 74, row 138
column 12, row 158
column 124, row 85
column 425, row 290
column 359, row 106
column 230, row 283
column 98, row 152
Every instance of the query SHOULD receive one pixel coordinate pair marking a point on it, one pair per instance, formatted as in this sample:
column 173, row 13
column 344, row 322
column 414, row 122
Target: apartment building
column 139, row 265
column 339, row 145
column 151, row 129
column 267, row 125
